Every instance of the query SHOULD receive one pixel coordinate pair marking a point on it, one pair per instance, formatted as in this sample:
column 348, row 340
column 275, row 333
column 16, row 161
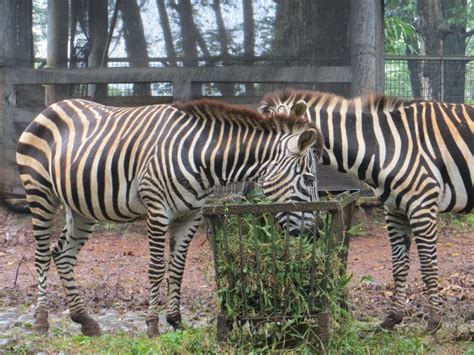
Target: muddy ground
column 112, row 274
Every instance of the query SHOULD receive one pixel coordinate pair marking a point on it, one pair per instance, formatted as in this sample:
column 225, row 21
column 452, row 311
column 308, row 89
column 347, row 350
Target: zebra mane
column 371, row 102
column 213, row 108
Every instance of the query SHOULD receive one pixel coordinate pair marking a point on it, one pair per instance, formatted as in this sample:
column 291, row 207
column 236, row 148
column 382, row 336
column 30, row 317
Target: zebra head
column 292, row 178
column 291, row 107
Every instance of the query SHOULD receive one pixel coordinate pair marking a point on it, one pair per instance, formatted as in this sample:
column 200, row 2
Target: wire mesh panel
column 449, row 79
column 275, row 287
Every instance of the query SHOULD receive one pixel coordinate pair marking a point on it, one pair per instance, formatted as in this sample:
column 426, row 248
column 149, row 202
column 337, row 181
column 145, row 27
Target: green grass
column 457, row 222
column 352, row 338
column 198, row 340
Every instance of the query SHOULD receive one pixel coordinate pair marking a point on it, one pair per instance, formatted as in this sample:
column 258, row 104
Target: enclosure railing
column 183, row 80
column 239, row 87
column 440, row 78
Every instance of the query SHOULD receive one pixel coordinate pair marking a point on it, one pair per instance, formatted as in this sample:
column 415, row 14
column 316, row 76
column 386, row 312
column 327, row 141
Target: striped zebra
column 418, row 158
column 161, row 162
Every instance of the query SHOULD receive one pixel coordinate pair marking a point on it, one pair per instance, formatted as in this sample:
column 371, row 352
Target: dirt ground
column 111, row 271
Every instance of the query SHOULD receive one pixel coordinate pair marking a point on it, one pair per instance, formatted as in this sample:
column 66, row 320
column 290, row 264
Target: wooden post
column 16, row 50
column 366, row 38
column 56, row 57
column 182, row 89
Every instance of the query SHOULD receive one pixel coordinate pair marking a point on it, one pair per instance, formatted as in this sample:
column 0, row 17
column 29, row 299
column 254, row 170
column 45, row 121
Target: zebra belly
column 109, row 200
column 457, row 201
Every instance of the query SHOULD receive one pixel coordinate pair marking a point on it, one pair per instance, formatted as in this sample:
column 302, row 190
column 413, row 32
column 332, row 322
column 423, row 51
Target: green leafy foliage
column 400, row 36
column 457, row 222
column 273, row 287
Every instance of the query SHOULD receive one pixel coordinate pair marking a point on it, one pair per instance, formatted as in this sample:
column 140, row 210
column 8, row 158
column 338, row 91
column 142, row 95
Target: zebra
column 417, row 156
column 120, row 164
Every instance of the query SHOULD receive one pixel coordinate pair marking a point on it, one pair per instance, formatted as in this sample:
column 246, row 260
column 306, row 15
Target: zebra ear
column 318, row 146
column 299, row 109
column 300, row 144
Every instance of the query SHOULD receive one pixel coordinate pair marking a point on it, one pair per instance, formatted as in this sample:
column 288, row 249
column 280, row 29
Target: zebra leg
column 399, row 233
column 424, row 231
column 43, row 206
column 181, row 233
column 157, row 225
column 42, row 228
column 65, row 253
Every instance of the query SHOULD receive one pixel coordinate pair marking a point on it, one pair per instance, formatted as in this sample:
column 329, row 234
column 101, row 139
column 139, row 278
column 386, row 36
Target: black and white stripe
column 418, row 158
column 122, row 163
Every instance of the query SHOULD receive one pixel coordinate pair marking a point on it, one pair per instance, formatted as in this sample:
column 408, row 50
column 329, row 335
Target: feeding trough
column 274, row 287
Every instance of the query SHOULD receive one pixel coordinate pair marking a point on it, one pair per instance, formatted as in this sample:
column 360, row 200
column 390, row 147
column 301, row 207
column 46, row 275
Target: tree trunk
column 431, row 21
column 167, row 35
column 58, row 11
column 226, row 89
column 312, row 33
column 75, row 10
column 189, row 31
column 414, row 69
column 298, row 29
column 184, row 9
column 249, row 40
column 135, row 43
column 442, row 34
column 98, row 21
column 16, row 36
column 454, row 44
column 113, row 23
column 191, row 38
column 364, row 31
column 224, row 41
column 25, row 32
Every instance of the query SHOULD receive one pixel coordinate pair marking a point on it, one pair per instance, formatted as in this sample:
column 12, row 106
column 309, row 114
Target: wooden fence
column 25, row 97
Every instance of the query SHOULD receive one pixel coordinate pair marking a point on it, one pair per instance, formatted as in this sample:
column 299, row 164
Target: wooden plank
column 249, row 74
column 22, row 114
column 133, row 100
column 332, row 205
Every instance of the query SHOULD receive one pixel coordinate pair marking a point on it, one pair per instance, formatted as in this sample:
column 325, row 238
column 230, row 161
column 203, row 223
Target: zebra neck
column 350, row 144
column 246, row 159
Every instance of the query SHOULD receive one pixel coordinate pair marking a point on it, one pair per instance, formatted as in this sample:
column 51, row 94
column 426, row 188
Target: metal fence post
column 442, row 80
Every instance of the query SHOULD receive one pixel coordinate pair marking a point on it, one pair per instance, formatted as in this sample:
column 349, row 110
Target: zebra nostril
column 282, row 109
column 309, row 180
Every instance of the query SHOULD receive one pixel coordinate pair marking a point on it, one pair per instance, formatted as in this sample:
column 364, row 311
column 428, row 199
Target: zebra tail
column 16, row 205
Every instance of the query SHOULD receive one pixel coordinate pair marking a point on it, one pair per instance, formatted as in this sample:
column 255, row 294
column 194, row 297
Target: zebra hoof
column 89, row 327
column 391, row 321
column 175, row 321
column 434, row 323
column 152, row 328
column 40, row 325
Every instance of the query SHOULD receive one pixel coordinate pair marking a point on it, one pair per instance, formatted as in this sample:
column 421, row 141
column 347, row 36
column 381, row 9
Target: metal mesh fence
column 439, row 78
